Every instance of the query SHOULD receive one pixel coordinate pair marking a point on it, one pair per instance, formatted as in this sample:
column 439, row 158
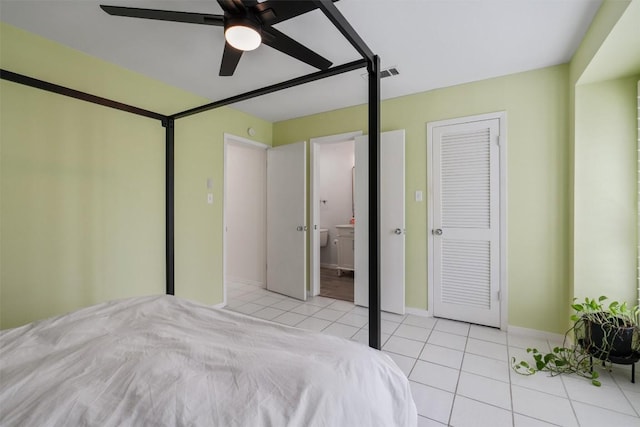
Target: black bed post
column 373, row 68
column 169, row 204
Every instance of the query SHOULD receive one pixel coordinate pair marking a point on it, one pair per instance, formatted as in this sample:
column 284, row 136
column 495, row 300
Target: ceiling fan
column 247, row 24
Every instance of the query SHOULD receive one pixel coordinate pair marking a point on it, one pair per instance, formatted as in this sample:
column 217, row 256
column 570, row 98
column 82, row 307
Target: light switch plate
column 418, row 196
column 210, row 198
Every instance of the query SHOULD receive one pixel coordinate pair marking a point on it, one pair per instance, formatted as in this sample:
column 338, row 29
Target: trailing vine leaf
column 575, row 356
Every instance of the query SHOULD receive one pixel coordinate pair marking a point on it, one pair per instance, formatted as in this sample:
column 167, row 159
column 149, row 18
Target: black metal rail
column 274, row 88
column 62, row 90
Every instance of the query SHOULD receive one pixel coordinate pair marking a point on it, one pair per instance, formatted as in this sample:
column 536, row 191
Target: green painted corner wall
column 536, row 103
column 603, row 76
column 605, row 223
column 605, row 20
column 82, row 186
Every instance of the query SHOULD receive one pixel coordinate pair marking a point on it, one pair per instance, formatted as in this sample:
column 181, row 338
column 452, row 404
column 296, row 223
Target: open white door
column 286, row 219
column 392, row 237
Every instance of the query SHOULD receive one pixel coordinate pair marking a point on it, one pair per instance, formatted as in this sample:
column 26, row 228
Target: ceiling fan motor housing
column 243, row 32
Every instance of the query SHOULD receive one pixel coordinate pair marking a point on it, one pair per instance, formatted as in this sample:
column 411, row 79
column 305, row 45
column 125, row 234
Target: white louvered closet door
column 466, row 232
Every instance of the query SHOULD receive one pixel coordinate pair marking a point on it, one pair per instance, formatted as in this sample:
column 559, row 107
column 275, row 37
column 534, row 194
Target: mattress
column 166, row 361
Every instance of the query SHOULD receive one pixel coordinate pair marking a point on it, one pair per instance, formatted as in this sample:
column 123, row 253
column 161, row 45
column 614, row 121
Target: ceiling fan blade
column 285, row 44
column 273, row 11
column 230, row 58
column 165, row 15
column 232, row 6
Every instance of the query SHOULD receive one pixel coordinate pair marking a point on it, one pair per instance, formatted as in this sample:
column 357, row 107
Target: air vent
column 387, row 72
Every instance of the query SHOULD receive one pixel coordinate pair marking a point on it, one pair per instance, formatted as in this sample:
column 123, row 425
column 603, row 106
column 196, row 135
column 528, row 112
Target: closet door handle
column 437, row 232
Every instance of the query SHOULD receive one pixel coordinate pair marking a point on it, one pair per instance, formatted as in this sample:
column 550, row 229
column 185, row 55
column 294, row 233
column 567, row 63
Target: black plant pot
column 609, row 340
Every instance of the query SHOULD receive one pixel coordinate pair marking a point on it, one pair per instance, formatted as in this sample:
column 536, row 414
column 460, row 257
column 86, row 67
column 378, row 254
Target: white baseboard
column 417, row 312
column 245, row 281
column 517, row 330
column 534, row 333
column 221, row 305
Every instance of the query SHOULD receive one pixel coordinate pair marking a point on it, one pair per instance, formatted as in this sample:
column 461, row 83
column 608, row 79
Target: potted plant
column 608, row 333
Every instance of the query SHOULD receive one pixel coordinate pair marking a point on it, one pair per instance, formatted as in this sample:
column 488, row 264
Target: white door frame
column 502, row 117
column 314, row 261
column 229, row 139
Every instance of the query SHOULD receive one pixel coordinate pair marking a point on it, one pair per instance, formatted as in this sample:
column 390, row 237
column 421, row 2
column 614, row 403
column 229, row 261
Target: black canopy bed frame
column 369, row 60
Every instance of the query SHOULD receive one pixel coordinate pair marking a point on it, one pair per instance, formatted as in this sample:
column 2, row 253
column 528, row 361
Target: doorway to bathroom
column 332, row 212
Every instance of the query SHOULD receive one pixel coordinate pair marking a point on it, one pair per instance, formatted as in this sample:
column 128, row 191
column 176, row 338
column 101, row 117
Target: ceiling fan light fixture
column 243, row 33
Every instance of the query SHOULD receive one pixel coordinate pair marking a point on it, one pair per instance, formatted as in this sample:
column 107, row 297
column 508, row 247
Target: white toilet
column 324, row 237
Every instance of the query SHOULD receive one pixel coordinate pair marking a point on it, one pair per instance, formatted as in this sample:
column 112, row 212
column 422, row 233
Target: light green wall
column 605, row 189
column 536, row 103
column 603, row 23
column 603, row 150
column 82, row 186
column 619, row 54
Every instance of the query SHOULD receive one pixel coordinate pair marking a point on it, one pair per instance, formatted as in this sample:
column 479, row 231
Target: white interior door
column 286, row 220
column 466, row 221
column 392, row 222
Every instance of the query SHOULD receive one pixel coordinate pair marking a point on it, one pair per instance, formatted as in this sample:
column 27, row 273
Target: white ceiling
column 433, row 43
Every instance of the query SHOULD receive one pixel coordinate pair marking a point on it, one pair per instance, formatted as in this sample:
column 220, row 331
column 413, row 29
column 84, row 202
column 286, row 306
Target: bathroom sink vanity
column 345, row 248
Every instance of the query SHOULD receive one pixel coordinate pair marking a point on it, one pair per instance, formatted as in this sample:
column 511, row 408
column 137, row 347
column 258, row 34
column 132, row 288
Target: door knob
column 438, row 231
column 398, row 231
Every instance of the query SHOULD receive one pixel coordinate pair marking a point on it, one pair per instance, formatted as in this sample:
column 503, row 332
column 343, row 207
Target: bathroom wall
column 335, row 161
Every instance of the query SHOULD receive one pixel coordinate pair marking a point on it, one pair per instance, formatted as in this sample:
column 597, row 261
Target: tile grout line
column 564, row 386
column 455, row 392
column 615, row 381
column 420, row 353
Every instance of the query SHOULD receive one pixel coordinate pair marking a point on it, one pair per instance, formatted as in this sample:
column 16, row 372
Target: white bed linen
column 165, row 361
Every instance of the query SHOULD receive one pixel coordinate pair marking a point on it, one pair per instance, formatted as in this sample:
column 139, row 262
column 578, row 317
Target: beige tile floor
column 460, row 373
